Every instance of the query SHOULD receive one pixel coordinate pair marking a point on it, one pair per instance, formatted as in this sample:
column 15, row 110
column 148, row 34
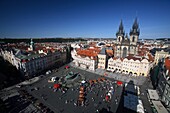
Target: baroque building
column 124, row 45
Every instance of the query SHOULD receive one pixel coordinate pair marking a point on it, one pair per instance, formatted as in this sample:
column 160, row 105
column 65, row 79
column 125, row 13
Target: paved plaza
column 66, row 102
column 138, row 80
column 60, row 102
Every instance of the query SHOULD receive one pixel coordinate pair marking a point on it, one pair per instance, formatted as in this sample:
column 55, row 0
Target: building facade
column 31, row 62
column 86, row 59
column 159, row 55
column 132, row 65
column 102, row 59
column 124, row 45
column 164, row 83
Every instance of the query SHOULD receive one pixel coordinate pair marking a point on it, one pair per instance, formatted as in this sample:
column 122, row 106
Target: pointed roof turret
column 32, row 41
column 135, row 24
column 32, row 44
column 126, row 36
column 121, row 29
column 135, row 28
column 121, row 25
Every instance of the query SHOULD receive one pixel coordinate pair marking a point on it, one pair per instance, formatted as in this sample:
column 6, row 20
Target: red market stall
column 107, row 98
column 67, row 67
column 56, row 86
column 119, row 83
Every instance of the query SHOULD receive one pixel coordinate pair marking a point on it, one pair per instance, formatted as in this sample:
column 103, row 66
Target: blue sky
column 82, row 18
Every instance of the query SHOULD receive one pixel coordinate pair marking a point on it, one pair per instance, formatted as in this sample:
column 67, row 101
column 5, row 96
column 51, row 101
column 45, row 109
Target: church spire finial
column 135, row 28
column 121, row 29
column 121, row 25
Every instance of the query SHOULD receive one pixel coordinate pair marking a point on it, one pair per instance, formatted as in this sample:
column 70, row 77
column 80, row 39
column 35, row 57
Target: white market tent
column 83, row 81
column 159, row 107
column 153, row 95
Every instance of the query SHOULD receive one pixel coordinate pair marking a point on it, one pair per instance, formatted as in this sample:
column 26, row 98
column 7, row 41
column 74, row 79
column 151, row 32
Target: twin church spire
column 121, row 29
column 134, row 34
column 135, row 28
column 134, row 31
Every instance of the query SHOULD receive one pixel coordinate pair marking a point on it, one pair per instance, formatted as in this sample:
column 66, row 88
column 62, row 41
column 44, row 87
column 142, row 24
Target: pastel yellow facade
column 102, row 61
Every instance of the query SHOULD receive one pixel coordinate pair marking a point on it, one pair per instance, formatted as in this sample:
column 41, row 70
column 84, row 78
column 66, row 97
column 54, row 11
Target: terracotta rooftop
column 167, row 64
column 88, row 53
column 115, row 58
column 110, row 52
column 134, row 58
column 151, row 58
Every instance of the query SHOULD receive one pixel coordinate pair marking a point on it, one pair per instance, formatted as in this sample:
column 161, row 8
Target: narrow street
column 143, row 89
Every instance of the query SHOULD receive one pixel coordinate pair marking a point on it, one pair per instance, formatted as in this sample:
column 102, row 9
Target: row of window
column 101, row 58
column 110, row 64
column 101, row 62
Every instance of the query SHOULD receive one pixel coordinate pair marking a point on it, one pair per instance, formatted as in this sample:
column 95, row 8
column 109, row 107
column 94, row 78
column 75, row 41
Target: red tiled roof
column 167, row 64
column 134, row 58
column 110, row 52
column 89, row 53
column 121, row 59
column 114, row 58
column 151, row 58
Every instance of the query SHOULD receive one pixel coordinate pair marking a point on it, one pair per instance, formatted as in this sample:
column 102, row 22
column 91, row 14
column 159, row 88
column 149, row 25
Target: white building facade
column 86, row 62
column 130, row 65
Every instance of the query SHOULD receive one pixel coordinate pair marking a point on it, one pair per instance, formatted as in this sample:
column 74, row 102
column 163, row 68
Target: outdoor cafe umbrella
column 81, row 96
column 99, row 79
column 81, row 92
column 95, row 81
column 81, row 88
column 103, row 79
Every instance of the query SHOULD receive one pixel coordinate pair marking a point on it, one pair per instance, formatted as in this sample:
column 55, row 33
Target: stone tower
column 32, row 45
column 134, row 36
column 134, row 33
column 120, row 33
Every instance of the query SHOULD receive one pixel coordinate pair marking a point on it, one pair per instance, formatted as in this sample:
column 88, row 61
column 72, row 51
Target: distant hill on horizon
column 40, row 40
column 60, row 39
